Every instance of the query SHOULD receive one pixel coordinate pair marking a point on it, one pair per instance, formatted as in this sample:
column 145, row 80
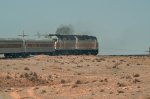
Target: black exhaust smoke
column 65, row 30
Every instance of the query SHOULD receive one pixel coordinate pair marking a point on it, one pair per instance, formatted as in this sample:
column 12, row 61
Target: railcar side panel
column 39, row 46
column 86, row 43
column 11, row 46
column 66, row 43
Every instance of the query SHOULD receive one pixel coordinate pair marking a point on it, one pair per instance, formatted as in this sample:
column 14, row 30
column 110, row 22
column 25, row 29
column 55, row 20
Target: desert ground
column 75, row 77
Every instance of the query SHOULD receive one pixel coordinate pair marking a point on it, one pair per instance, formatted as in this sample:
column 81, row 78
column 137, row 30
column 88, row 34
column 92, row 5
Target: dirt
column 75, row 77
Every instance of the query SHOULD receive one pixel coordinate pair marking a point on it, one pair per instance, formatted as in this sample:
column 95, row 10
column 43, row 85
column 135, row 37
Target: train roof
column 73, row 36
column 26, row 39
column 37, row 39
column 67, row 35
column 9, row 39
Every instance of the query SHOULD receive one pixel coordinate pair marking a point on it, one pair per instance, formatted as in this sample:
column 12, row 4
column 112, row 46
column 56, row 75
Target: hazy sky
column 121, row 26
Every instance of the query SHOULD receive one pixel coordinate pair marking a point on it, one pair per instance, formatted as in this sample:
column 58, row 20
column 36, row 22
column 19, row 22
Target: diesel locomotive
column 53, row 44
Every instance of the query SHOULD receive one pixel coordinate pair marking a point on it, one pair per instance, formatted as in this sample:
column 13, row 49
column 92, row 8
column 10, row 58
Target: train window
column 38, row 45
column 10, row 45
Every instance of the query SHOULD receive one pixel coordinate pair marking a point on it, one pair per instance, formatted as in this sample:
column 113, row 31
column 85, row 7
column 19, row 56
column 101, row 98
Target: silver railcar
column 39, row 46
column 11, row 46
column 26, row 47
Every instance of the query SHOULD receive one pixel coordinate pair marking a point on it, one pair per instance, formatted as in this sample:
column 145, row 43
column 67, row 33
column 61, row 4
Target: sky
column 121, row 26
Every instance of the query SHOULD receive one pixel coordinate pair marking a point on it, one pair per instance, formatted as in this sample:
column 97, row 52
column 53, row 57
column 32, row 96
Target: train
column 53, row 44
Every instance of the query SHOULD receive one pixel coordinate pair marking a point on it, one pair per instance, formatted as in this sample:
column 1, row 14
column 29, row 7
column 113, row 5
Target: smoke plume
column 65, row 30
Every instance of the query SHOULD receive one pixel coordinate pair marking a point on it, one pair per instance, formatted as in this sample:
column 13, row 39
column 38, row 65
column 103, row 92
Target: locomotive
column 53, row 44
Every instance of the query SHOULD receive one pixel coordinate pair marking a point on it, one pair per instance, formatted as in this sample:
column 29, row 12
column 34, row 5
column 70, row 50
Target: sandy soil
column 75, row 77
